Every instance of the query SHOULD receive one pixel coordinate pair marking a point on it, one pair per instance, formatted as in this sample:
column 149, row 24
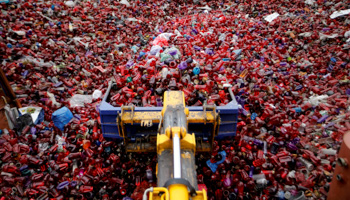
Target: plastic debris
column 214, row 166
column 37, row 113
column 80, row 100
column 271, row 17
column 339, row 13
column 61, row 117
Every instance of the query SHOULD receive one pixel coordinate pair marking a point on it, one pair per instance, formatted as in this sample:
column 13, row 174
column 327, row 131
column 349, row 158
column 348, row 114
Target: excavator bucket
column 138, row 126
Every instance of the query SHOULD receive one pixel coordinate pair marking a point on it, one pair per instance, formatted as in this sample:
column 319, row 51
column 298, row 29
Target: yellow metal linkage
column 178, row 195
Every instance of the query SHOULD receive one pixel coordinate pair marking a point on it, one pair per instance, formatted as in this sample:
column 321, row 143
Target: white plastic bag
column 305, row 34
column 78, row 39
column 271, row 17
column 324, row 36
column 165, row 35
column 43, row 147
column 70, row 3
column 222, row 37
column 340, row 13
column 162, row 39
column 79, row 100
column 38, row 63
column 61, row 142
column 315, row 100
column 347, row 34
column 53, row 99
column 133, row 20
column 207, row 8
column 125, row 2
column 21, row 33
column 310, row 2
column 96, row 94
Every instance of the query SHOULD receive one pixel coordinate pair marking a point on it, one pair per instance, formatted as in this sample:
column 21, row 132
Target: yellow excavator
column 176, row 147
column 174, row 144
column 176, row 132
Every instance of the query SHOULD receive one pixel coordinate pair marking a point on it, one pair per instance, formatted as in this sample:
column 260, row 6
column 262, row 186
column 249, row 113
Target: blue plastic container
column 108, row 114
